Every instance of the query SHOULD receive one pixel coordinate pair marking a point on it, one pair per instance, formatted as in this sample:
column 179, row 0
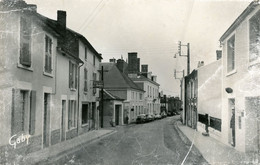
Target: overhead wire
column 93, row 11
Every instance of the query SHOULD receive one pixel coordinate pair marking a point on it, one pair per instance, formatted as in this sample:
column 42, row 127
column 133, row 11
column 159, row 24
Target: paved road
column 156, row 142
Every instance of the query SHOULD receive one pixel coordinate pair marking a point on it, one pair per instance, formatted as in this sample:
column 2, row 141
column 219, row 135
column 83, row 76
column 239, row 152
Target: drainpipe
column 78, row 95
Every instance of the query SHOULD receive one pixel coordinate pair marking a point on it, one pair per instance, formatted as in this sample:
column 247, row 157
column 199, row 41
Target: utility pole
column 102, row 97
column 185, row 55
column 181, row 80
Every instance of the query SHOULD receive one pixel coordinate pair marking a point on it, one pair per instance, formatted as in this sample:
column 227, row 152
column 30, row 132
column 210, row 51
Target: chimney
column 122, row 65
column 144, row 70
column 219, row 54
column 61, row 18
column 133, row 62
column 112, row 60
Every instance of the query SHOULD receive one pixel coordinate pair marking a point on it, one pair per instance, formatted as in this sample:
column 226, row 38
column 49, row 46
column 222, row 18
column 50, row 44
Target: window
column 84, row 114
column 72, row 114
column 48, row 54
column 141, row 96
column 23, row 111
column 94, row 60
column 94, row 79
column 73, row 75
column 86, row 53
column 231, row 54
column 254, row 35
column 25, row 42
column 85, row 80
column 148, row 91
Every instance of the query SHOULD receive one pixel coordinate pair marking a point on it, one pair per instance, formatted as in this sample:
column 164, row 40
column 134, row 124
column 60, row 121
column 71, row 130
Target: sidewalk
column 69, row 146
column 215, row 152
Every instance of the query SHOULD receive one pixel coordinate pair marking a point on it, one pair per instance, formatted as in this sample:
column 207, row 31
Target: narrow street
column 157, row 142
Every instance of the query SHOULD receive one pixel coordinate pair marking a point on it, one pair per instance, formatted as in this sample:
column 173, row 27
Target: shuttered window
column 23, row 111
column 94, row 79
column 73, row 75
column 72, row 114
column 48, row 54
column 85, row 80
column 25, row 42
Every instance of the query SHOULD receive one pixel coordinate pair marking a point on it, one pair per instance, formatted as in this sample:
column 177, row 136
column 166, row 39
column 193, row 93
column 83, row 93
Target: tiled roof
column 114, row 79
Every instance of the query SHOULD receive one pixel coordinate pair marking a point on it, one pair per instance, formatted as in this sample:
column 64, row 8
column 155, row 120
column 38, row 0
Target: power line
column 95, row 14
column 93, row 11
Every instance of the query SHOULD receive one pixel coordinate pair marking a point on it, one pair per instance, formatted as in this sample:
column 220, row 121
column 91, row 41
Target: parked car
column 170, row 114
column 157, row 116
column 163, row 114
column 141, row 118
column 149, row 117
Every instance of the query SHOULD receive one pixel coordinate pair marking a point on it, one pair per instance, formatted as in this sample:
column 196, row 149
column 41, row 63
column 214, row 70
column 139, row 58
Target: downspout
column 78, row 96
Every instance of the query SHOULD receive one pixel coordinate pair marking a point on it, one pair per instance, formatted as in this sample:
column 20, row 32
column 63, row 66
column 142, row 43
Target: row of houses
column 222, row 98
column 135, row 92
column 47, row 80
column 54, row 86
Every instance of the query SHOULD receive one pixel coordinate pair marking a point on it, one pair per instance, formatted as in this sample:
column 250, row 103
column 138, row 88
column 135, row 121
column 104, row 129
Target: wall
column 210, row 93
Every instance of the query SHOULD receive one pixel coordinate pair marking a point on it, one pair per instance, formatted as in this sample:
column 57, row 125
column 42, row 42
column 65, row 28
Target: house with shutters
column 45, row 67
column 121, row 87
column 147, row 82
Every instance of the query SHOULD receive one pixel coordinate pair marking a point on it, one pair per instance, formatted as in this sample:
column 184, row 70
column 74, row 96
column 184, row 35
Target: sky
column 152, row 28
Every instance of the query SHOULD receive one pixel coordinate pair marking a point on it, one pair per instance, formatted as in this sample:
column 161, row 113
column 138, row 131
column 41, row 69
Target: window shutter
column 69, row 115
column 32, row 112
column 76, row 77
column 16, row 114
column 12, row 113
column 50, row 67
column 25, row 32
column 70, row 74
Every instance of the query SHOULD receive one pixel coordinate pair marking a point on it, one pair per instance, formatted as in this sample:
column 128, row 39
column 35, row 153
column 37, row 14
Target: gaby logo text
column 14, row 140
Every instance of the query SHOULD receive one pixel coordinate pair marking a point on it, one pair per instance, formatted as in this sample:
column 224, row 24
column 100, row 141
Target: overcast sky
column 150, row 27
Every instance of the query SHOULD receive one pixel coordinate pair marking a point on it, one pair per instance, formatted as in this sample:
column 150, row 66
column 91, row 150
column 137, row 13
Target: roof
column 240, row 19
column 114, row 79
column 50, row 25
column 109, row 96
column 84, row 40
column 143, row 78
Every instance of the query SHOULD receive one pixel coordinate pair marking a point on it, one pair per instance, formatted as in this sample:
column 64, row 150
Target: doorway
column 63, row 115
column 117, row 114
column 232, row 121
column 46, row 120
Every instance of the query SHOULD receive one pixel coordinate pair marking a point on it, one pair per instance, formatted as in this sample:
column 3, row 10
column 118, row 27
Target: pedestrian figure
column 127, row 118
column 232, row 126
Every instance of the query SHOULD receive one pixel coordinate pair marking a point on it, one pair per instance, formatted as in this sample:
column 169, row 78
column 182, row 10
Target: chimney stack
column 144, row 70
column 122, row 66
column 61, row 18
column 112, row 60
column 219, row 54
